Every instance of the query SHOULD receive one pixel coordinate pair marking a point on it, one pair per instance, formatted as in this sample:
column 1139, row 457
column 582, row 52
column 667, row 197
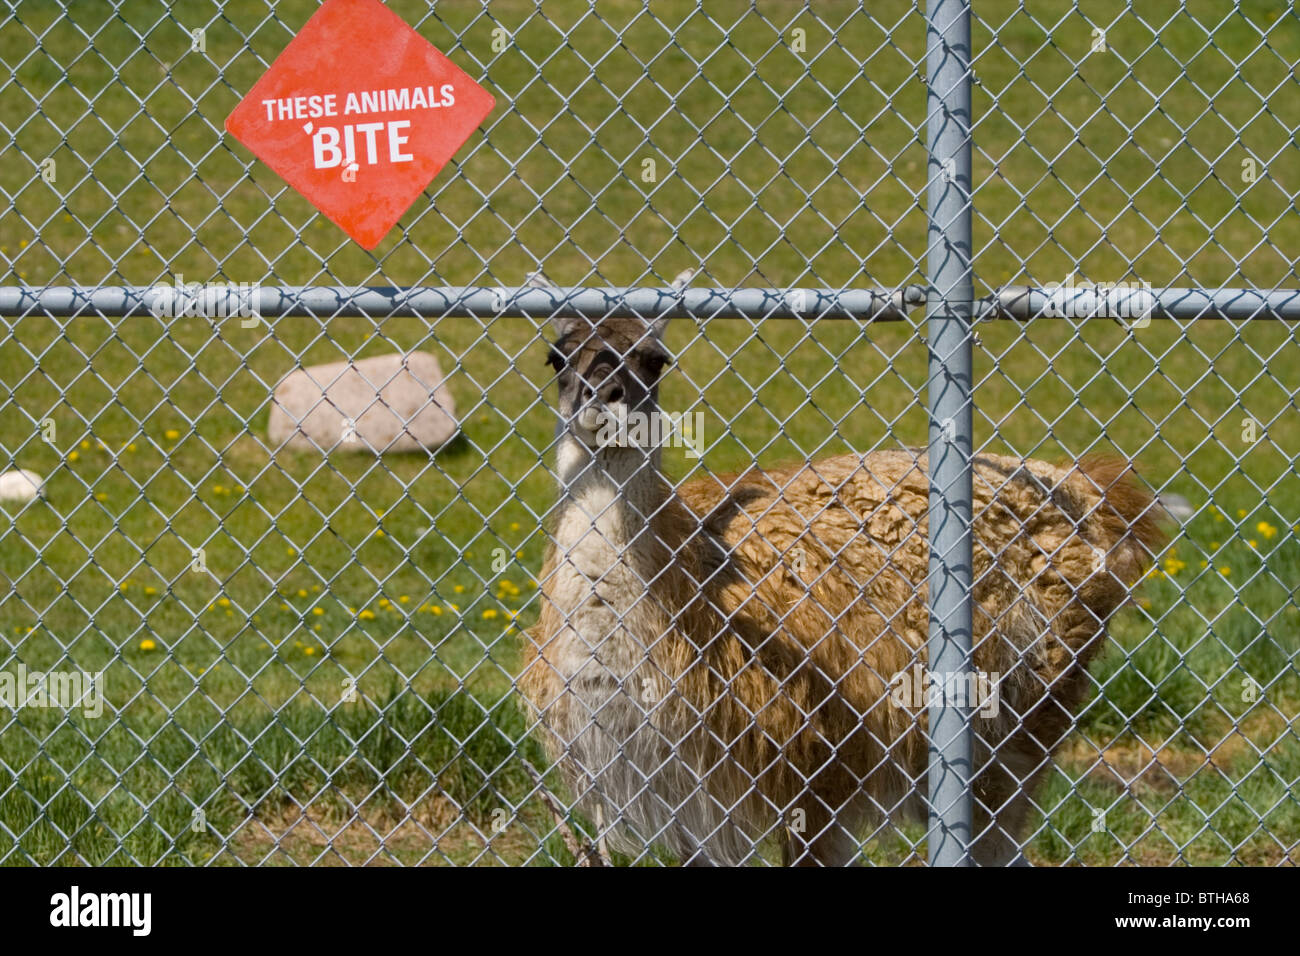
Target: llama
column 719, row 663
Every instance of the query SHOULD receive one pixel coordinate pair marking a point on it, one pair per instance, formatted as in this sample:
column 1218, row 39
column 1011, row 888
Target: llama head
column 608, row 372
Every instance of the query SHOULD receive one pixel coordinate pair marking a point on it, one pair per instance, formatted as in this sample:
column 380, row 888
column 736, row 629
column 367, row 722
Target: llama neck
column 621, row 533
column 610, row 498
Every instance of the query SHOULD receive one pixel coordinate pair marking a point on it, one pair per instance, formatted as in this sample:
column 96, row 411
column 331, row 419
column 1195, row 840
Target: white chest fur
column 618, row 719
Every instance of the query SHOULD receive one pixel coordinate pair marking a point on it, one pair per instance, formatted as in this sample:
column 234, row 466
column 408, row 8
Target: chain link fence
column 223, row 646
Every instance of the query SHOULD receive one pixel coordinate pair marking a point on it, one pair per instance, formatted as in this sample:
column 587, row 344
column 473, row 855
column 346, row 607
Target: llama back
column 824, row 573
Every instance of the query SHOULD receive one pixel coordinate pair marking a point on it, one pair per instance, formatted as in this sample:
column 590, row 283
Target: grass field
column 227, row 687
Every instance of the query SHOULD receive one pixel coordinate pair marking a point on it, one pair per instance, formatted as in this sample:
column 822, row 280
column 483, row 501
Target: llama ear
column 537, row 280
column 560, row 325
column 657, row 326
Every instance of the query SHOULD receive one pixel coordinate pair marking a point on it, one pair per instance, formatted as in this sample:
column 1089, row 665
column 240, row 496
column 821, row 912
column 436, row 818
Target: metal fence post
column 948, row 316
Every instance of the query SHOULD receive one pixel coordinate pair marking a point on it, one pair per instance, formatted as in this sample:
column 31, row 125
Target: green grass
column 159, row 426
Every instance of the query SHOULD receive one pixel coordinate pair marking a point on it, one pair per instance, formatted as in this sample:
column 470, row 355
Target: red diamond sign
column 358, row 114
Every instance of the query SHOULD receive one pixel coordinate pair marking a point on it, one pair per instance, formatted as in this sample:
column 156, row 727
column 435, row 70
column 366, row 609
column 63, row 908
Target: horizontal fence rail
column 227, row 301
column 1019, row 303
column 1138, row 304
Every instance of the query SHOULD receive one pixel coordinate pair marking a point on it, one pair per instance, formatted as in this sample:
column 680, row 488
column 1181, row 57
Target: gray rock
column 383, row 404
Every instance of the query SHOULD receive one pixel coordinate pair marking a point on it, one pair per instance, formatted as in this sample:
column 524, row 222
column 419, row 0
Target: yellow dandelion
column 436, row 610
column 1225, row 571
column 514, row 526
column 404, row 599
column 73, row 456
column 131, row 447
column 1252, row 543
column 1241, row 512
column 302, row 592
column 1266, row 529
column 290, row 552
column 489, row 614
column 283, row 606
column 150, row 592
column 318, row 611
column 224, row 602
column 315, row 627
column 171, row 434
column 100, row 496
column 309, row 651
column 367, row 615
column 84, row 444
column 459, row 589
column 147, row 645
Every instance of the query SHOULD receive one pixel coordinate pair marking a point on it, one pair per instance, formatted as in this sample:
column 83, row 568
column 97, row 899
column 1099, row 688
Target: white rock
column 382, row 404
column 21, row 485
column 1177, row 507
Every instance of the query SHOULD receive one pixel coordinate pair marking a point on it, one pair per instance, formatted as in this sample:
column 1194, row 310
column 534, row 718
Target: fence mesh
column 315, row 658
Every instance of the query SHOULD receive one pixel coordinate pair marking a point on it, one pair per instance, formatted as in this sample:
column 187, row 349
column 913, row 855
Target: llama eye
column 654, row 366
column 555, row 360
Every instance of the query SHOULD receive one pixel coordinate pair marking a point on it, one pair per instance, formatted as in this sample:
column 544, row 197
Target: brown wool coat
column 781, row 605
